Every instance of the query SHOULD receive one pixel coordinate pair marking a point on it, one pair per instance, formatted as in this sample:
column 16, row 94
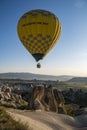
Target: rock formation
column 10, row 99
column 47, row 98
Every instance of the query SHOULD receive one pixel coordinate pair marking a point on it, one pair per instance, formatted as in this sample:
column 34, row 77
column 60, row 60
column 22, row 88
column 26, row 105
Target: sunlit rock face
column 11, row 99
column 47, row 98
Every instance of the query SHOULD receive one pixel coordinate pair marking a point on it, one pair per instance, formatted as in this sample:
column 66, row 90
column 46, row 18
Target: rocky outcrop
column 76, row 101
column 47, row 98
column 76, row 96
column 42, row 97
column 10, row 99
column 38, row 97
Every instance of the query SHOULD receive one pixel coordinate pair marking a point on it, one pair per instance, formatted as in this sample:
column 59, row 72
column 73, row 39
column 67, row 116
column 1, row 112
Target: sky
column 68, row 57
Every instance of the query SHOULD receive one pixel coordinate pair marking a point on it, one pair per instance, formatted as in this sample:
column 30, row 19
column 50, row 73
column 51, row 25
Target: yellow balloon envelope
column 39, row 31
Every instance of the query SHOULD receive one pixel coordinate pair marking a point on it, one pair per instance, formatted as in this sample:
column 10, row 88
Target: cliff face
column 47, row 98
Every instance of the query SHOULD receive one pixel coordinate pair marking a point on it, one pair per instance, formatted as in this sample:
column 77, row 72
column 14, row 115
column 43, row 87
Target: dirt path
column 40, row 120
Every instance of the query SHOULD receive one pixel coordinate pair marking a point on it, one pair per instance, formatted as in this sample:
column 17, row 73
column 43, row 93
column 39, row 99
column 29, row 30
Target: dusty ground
column 41, row 120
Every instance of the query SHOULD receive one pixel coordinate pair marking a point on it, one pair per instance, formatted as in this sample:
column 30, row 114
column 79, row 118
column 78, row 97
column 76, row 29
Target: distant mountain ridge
column 79, row 79
column 30, row 76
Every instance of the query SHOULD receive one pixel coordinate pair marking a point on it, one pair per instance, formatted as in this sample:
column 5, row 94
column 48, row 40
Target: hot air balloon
column 39, row 31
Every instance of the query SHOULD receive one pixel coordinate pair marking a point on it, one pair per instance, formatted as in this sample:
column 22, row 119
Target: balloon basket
column 38, row 65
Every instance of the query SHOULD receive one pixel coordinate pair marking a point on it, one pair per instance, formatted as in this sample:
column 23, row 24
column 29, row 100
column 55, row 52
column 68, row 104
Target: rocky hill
column 79, row 79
